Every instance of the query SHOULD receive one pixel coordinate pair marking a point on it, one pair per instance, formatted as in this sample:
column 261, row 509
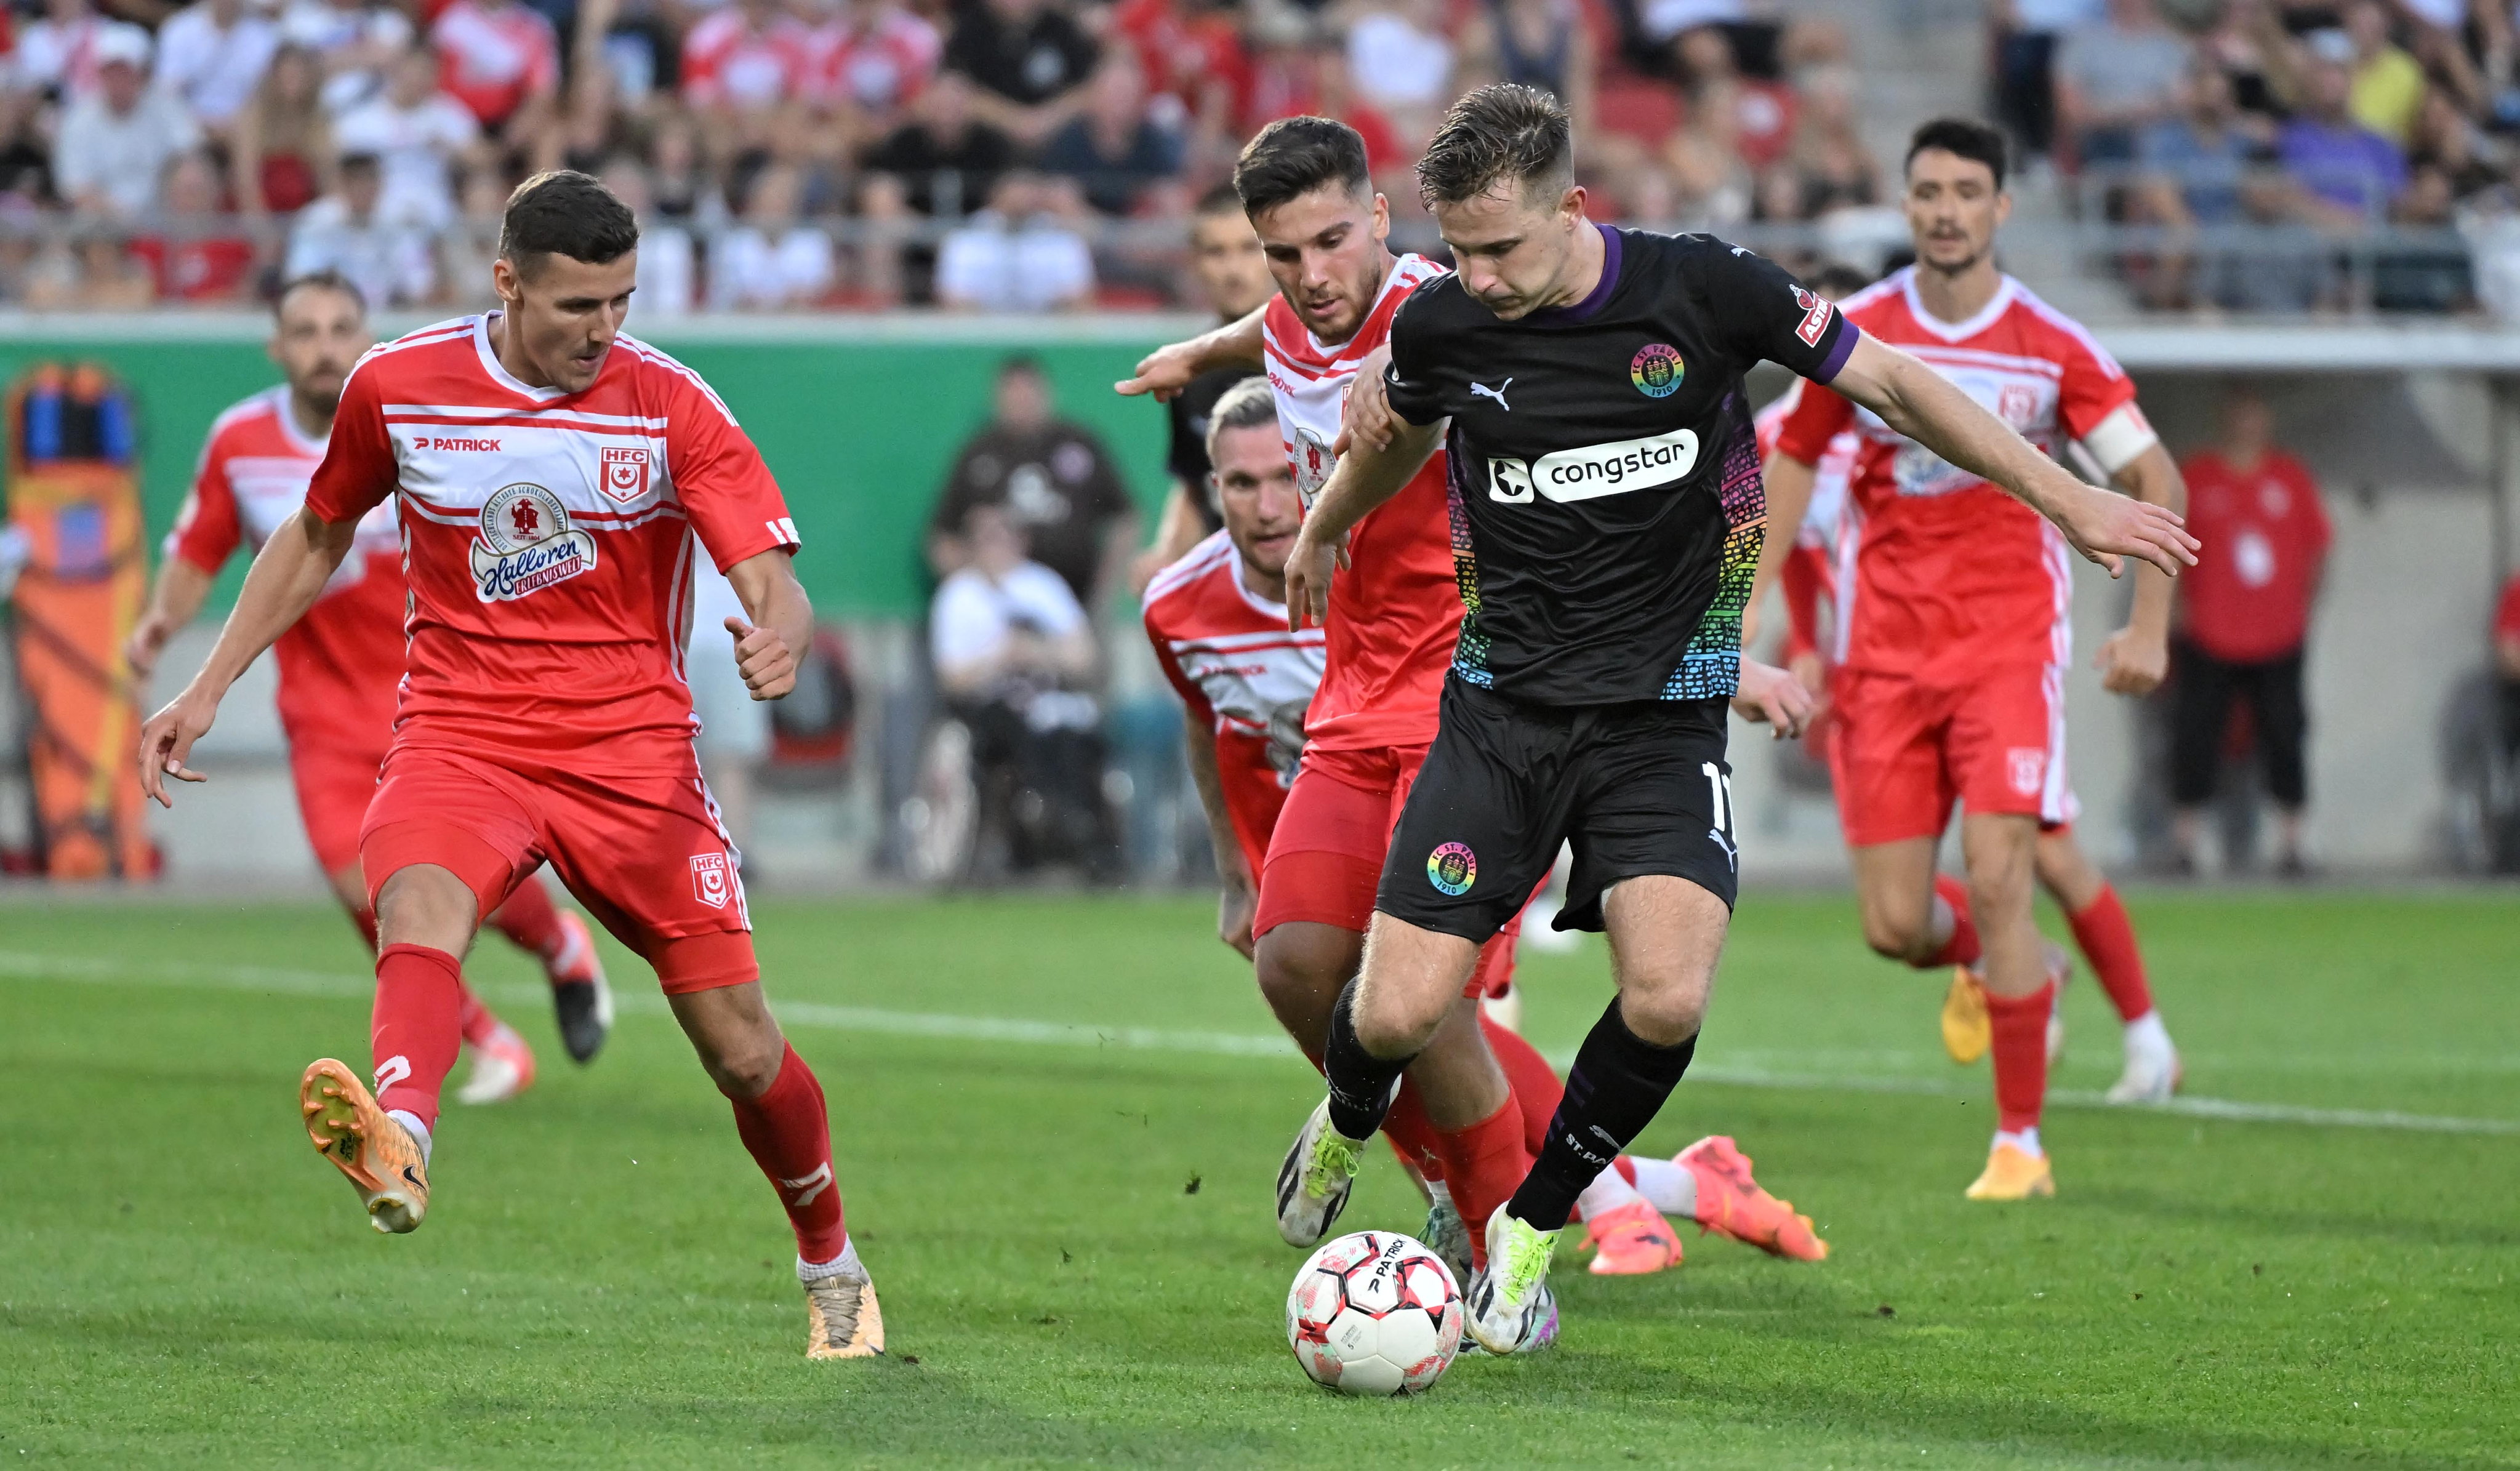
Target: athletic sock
column 1412, row 1137
column 417, row 1028
column 2024, row 1139
column 1482, row 1166
column 845, row 1264
column 1961, row 949
column 1535, row 1084
column 1359, row 1081
column 531, row 920
column 1671, row 1186
column 790, row 1135
column 1610, row 1190
column 2106, row 937
column 2020, row 1027
column 477, row 1022
column 1617, row 1086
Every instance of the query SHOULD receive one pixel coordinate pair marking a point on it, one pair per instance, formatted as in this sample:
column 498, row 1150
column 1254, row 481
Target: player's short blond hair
column 1246, row 405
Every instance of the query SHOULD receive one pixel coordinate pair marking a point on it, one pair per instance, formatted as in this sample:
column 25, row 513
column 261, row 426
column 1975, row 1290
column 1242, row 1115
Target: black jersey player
column 1606, row 522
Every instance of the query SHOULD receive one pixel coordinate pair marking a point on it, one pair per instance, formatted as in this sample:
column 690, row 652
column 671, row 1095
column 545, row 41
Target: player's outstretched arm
column 1365, row 479
column 1919, row 403
column 2135, row 660
column 1788, row 484
column 1169, row 369
column 1237, row 898
column 783, row 622
column 285, row 580
column 176, row 600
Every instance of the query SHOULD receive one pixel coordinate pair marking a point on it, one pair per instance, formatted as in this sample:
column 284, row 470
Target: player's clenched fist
column 768, row 665
column 1772, row 696
column 168, row 739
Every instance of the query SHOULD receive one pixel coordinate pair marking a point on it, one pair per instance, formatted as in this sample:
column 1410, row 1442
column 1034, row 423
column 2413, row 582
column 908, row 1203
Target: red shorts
column 334, row 784
column 1904, row 751
column 1326, row 854
column 644, row 853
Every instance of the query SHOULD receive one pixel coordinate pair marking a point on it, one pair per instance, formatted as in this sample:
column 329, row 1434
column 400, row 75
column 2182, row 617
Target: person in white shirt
column 774, row 258
column 419, row 135
column 56, row 55
column 346, row 231
column 115, row 143
column 211, row 54
column 357, row 40
column 1018, row 254
column 668, row 262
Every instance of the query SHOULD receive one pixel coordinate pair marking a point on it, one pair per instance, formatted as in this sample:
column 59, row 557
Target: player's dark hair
column 1966, row 137
column 1295, row 156
column 1505, row 132
column 325, row 280
column 1221, row 200
column 1837, row 281
column 565, row 212
column 1247, row 405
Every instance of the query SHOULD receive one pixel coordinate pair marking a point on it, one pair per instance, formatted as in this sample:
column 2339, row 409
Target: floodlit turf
column 1073, row 1237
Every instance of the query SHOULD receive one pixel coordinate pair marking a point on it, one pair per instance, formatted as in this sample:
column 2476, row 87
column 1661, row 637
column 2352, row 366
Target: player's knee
column 426, row 905
column 1391, row 1022
column 745, row 1067
column 1665, row 1011
column 1898, row 934
column 1300, row 975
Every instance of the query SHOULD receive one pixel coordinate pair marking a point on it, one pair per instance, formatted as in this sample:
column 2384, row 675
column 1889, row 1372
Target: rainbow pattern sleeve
column 1711, row 668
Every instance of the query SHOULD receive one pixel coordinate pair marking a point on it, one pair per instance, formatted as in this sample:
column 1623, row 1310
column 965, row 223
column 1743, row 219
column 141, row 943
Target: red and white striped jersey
column 727, row 63
column 1940, row 572
column 492, row 57
column 1396, row 609
column 1227, row 650
column 340, row 665
column 548, row 539
column 1809, row 574
column 880, row 66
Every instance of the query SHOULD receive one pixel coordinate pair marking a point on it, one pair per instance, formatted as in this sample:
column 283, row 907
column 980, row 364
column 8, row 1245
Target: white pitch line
column 97, row 970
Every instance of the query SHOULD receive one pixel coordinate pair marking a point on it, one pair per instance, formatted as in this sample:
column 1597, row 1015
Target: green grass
column 605, row 1278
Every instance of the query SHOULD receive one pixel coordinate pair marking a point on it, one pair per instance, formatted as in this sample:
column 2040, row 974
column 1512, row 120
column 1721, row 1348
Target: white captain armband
column 2116, row 441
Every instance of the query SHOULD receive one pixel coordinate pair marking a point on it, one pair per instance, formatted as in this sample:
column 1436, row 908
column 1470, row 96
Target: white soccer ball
column 1374, row 1312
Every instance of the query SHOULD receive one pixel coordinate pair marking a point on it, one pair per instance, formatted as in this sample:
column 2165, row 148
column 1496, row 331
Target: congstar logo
column 1595, row 470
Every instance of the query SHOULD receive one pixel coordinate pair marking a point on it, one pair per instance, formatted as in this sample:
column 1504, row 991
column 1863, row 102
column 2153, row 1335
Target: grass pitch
column 1057, row 1136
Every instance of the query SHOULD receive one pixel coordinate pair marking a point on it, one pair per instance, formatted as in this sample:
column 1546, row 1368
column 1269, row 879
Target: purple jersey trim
column 1848, row 331
column 1583, row 311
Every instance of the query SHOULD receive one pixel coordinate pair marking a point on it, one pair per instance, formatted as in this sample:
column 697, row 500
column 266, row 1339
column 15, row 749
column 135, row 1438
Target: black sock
column 1618, row 1084
column 1361, row 1084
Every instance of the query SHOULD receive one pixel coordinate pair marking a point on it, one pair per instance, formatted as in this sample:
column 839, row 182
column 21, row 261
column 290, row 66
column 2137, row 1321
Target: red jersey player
column 1954, row 636
column 556, row 478
column 341, row 664
column 1392, row 626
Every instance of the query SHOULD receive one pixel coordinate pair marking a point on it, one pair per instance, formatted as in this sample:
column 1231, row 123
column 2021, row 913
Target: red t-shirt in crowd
column 548, row 540
column 2265, row 532
column 491, row 58
column 1227, row 651
column 341, row 663
column 2506, row 615
column 214, row 268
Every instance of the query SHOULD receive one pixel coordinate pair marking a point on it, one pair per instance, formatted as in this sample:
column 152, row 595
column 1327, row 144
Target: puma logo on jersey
column 1482, row 390
column 1594, row 470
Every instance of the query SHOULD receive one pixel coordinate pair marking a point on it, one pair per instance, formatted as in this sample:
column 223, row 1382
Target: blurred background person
column 2115, row 78
column 420, row 136
column 942, row 164
column 211, row 55
column 1056, row 481
column 1028, row 59
column 390, row 261
column 2243, row 622
column 1232, row 276
column 775, row 257
column 1025, row 252
column 1113, row 149
column 116, row 142
column 197, row 255
column 281, row 147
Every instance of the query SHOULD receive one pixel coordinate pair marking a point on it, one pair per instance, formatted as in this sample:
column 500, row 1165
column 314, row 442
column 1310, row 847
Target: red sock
column 477, row 1021
column 1961, row 948
column 790, row 1135
column 1412, row 1137
column 2106, row 938
column 416, row 1027
column 531, row 920
column 1535, row 1084
column 1484, row 1164
column 2020, row 1027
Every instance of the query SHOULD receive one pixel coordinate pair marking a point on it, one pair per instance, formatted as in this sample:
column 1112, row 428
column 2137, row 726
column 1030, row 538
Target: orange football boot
column 1966, row 1031
column 381, row 1158
column 1731, row 1203
column 2013, row 1173
column 1631, row 1242
column 841, row 1319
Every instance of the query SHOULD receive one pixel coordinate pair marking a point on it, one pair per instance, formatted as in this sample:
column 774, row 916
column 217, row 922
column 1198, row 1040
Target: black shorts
column 1638, row 789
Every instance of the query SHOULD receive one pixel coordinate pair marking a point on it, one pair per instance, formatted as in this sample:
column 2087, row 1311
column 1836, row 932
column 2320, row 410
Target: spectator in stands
column 1112, row 148
column 1233, row 279
column 2346, row 175
column 2389, row 86
column 668, row 260
column 390, row 261
column 2026, row 35
column 2116, row 79
column 1547, row 44
column 92, row 275
column 55, row 58
column 201, row 257
column 1029, row 59
column 2244, row 617
column 1197, row 58
column 1763, row 109
column 115, row 143
column 1022, row 253
column 1053, row 477
column 774, row 258
column 678, row 179
column 1402, row 61
column 742, row 75
column 1711, row 182
column 1828, row 168
column 467, row 248
column 281, row 149
column 943, row 163
column 502, row 60
column 2507, row 661
column 353, row 40
column 1014, row 651
column 210, row 55
column 2200, row 170
column 866, row 62
column 420, row 135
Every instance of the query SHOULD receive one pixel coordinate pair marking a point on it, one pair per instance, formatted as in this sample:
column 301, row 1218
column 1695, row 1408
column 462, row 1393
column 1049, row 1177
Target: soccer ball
column 1374, row 1314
